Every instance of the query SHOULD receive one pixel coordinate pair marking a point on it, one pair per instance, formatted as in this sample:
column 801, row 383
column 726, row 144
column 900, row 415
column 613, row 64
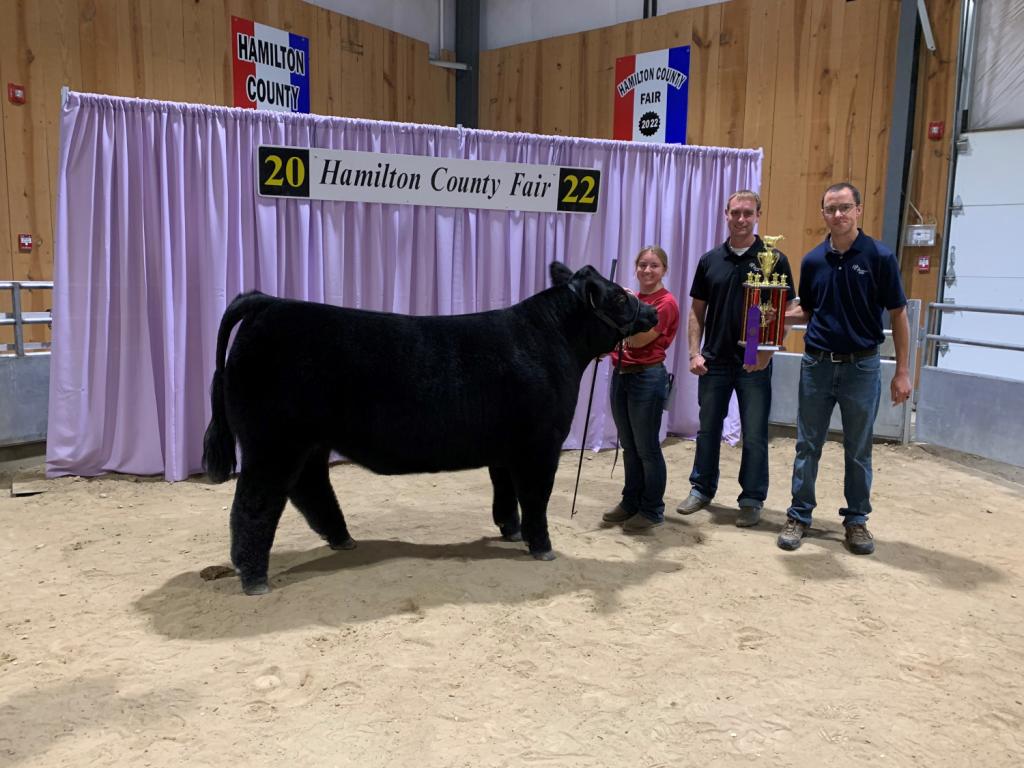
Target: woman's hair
column 657, row 250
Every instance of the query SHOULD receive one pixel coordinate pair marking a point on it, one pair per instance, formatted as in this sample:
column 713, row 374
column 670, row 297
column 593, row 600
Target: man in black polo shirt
column 845, row 283
column 716, row 314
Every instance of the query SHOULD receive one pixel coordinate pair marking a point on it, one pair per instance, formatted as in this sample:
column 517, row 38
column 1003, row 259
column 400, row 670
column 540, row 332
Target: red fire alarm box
column 936, row 129
column 15, row 93
column 25, row 243
column 924, row 264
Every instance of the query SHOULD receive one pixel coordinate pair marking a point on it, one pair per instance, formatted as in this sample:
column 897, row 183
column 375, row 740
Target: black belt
column 637, row 368
column 843, row 357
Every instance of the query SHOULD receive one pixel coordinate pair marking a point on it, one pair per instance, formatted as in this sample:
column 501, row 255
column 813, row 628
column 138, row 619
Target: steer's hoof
column 256, row 588
column 349, row 543
column 512, row 536
column 545, row 556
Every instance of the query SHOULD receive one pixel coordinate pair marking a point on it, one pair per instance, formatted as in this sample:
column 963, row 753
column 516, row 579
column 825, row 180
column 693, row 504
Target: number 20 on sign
column 283, row 171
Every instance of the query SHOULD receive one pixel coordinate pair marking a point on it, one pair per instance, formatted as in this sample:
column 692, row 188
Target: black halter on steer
column 622, row 330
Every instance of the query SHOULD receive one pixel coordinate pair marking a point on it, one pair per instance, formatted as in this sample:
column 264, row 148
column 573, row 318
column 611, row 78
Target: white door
column 986, row 255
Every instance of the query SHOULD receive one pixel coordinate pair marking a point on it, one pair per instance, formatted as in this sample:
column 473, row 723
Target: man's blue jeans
column 638, row 401
column 754, row 393
column 856, row 387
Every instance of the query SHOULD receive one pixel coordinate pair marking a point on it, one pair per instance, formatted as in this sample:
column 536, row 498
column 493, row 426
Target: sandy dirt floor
column 436, row 644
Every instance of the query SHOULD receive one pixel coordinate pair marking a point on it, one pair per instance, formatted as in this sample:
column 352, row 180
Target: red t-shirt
column 668, row 324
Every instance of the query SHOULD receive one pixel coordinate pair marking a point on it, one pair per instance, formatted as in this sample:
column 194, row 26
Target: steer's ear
column 595, row 287
column 560, row 273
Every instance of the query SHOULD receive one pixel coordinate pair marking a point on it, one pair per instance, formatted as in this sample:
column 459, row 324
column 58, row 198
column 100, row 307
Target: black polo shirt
column 846, row 293
column 719, row 281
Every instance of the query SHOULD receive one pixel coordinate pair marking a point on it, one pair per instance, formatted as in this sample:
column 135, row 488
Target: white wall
column 510, row 22
column 502, row 22
column 416, row 18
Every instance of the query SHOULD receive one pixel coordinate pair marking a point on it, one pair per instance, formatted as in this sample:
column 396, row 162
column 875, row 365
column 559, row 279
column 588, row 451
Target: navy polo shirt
column 719, row 280
column 846, row 293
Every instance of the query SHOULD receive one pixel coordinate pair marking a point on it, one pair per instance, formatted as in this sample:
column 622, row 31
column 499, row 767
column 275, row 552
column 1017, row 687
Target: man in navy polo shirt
column 717, row 315
column 845, row 283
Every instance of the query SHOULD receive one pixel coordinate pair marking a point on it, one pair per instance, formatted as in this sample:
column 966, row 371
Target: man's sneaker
column 691, row 504
column 748, row 517
column 859, row 540
column 640, row 524
column 792, row 534
column 616, row 516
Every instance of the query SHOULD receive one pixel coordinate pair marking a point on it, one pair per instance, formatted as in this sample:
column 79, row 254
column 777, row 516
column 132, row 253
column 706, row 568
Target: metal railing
column 20, row 319
column 934, row 341
column 892, row 423
column 886, row 350
column 971, row 404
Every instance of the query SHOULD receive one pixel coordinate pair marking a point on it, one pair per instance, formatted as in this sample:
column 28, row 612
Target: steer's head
column 616, row 312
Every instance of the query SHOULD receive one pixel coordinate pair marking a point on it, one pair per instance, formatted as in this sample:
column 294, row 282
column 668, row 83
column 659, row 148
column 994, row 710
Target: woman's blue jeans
column 754, row 394
column 638, row 401
column 856, row 387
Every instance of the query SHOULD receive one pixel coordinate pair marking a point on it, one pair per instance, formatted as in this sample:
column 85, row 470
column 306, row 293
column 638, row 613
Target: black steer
column 400, row 394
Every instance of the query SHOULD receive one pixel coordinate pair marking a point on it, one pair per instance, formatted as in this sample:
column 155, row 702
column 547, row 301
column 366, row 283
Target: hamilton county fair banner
column 650, row 96
column 270, row 67
column 372, row 177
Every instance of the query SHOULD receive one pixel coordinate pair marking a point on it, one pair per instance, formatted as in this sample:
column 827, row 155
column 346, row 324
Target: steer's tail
column 219, row 442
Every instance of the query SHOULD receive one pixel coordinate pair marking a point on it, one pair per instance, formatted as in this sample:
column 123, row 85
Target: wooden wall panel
column 7, row 74
column 594, row 89
column 854, row 92
column 760, row 89
column 787, row 162
column 733, row 71
column 177, row 50
column 881, row 107
column 22, row 60
column 705, row 46
column 206, row 55
column 930, row 174
column 318, row 19
column 62, row 65
column 363, row 70
column 513, row 100
column 810, row 81
column 6, row 261
column 559, row 99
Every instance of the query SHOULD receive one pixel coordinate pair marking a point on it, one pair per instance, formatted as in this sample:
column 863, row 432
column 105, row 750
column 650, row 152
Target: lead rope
column 586, row 423
column 618, row 368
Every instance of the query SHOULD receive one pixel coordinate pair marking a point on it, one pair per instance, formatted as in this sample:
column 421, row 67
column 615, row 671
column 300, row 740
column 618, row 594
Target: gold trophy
column 764, row 292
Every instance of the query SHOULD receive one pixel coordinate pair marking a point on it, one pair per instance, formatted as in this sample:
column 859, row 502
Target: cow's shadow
column 387, row 578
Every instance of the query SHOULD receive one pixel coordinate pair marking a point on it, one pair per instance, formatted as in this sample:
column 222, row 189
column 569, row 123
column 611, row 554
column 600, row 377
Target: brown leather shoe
column 616, row 516
column 691, row 504
column 791, row 535
column 748, row 517
column 859, row 540
column 640, row 524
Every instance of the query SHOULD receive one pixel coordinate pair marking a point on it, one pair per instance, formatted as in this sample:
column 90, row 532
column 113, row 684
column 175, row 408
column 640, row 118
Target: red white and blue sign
column 270, row 67
column 651, row 90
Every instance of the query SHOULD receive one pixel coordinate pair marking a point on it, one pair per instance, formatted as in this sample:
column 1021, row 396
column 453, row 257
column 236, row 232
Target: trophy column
column 764, row 292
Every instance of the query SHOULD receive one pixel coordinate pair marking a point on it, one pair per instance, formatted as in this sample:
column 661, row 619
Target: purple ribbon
column 753, row 335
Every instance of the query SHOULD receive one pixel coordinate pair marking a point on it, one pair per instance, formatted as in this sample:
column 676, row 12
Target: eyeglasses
column 832, row 210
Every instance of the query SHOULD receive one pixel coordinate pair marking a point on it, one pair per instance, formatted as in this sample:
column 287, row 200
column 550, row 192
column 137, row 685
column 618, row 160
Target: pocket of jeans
column 809, row 361
column 869, row 364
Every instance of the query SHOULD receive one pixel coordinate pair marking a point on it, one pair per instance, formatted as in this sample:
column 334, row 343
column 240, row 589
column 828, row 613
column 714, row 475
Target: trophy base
column 763, row 347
